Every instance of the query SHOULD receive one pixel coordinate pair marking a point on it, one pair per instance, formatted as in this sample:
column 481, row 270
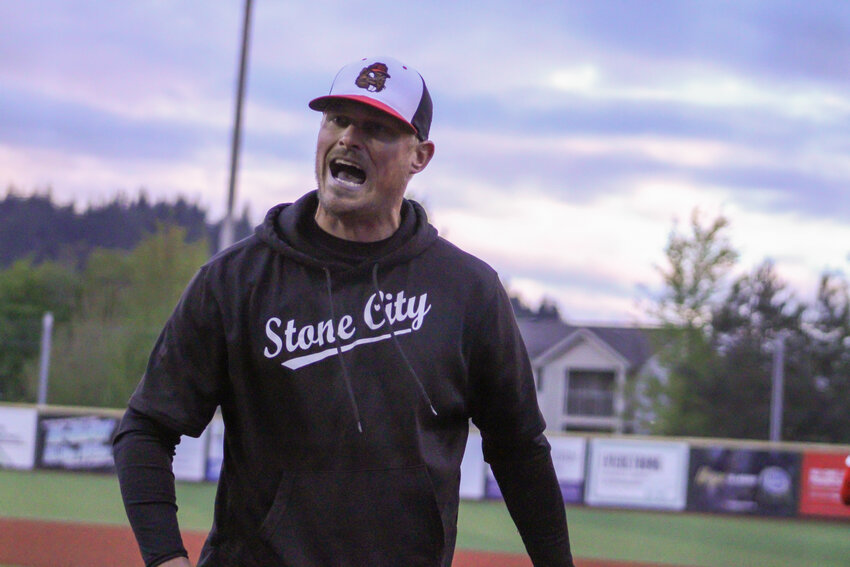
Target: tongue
column 349, row 176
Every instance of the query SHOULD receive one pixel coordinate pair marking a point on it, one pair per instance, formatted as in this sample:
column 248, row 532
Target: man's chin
column 342, row 189
column 341, row 201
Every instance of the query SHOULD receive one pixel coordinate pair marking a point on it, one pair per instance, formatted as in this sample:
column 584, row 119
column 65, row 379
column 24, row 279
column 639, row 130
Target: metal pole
column 44, row 364
column 226, row 236
column 777, row 387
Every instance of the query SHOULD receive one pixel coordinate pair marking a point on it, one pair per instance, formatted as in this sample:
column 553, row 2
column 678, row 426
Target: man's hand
column 176, row 562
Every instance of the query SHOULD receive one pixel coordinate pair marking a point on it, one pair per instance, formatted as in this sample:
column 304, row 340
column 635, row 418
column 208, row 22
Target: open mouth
column 347, row 172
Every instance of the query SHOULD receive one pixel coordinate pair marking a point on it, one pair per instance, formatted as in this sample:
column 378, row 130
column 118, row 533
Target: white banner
column 18, row 428
column 190, row 458
column 215, row 448
column 472, row 470
column 639, row 474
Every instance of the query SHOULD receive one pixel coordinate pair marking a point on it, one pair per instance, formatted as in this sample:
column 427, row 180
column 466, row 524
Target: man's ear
column 422, row 155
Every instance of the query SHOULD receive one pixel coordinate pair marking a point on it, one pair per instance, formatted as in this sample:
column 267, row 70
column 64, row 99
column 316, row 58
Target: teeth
column 347, row 172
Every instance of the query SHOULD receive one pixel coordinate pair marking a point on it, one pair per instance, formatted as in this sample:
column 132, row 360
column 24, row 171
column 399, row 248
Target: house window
column 589, row 393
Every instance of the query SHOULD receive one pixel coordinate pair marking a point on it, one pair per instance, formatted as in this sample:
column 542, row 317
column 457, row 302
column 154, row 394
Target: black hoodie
column 346, row 375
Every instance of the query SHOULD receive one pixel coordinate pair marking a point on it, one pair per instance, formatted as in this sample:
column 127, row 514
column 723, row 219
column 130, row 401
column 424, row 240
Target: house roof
column 540, row 334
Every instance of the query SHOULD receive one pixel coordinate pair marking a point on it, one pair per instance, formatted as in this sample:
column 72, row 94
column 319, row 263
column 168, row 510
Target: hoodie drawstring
column 345, row 374
column 400, row 350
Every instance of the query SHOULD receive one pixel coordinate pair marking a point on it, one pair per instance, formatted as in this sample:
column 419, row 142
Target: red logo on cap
column 373, row 77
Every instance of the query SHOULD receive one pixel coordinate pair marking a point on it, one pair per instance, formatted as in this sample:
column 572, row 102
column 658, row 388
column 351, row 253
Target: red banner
column 821, row 483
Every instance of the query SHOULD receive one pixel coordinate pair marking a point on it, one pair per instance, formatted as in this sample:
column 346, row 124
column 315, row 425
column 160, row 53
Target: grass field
column 677, row 539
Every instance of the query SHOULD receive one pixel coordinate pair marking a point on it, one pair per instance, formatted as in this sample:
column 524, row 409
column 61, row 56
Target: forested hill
column 35, row 227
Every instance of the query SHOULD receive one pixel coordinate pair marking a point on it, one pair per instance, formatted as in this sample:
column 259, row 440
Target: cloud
column 569, row 137
column 709, row 89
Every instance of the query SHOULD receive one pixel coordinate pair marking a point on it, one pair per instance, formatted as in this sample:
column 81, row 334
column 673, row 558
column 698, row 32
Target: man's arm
column 143, row 453
column 504, row 408
column 528, row 483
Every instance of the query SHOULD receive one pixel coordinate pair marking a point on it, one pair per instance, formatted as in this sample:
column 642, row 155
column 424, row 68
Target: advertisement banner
column 637, row 474
column 18, row 428
column 820, row 484
column 76, row 442
column 215, row 449
column 472, row 469
column 190, row 458
column 744, row 481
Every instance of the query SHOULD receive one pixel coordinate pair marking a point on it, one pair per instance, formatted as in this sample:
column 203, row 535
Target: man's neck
column 370, row 229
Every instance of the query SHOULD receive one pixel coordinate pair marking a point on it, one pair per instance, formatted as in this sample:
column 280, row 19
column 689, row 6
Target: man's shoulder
column 456, row 258
column 246, row 245
column 242, row 263
column 469, row 274
column 245, row 251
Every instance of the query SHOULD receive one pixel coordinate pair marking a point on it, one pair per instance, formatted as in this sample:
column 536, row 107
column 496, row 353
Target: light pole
column 777, row 390
column 44, row 359
column 226, row 235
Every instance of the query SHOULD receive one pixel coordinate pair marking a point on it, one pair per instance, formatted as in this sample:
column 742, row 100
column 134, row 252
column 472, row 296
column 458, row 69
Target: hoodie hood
column 290, row 229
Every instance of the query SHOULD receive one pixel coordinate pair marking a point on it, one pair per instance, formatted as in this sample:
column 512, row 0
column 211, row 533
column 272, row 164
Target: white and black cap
column 386, row 84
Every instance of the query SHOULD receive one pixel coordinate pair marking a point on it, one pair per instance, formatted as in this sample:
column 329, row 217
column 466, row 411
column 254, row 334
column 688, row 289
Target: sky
column 571, row 137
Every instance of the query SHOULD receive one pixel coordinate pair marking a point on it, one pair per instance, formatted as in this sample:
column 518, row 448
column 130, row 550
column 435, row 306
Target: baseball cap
column 386, row 84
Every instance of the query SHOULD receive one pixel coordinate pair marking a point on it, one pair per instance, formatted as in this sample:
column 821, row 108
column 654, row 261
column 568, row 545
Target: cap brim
column 322, row 102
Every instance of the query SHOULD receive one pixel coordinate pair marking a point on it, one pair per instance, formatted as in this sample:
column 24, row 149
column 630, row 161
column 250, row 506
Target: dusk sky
column 571, row 136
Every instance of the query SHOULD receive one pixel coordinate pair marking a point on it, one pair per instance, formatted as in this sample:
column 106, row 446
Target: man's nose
column 351, row 136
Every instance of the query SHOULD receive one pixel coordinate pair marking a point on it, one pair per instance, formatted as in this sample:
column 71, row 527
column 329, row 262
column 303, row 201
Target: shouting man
column 348, row 347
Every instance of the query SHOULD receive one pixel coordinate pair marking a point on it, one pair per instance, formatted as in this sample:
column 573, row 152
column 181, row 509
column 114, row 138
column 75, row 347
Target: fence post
column 44, row 364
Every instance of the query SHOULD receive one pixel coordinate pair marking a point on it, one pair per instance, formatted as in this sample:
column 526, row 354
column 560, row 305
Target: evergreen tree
column 829, row 350
column 34, row 227
column 717, row 346
column 758, row 311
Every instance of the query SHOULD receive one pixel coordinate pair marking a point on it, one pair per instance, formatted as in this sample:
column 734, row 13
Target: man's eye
column 375, row 129
column 340, row 121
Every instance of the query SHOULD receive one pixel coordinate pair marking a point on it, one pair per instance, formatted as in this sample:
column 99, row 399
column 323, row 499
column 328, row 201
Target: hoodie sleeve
column 504, row 399
column 181, row 386
column 178, row 394
column 143, row 453
column 505, row 410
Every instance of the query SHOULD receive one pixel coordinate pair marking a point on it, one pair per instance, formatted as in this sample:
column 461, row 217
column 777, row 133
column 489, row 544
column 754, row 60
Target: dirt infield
column 32, row 543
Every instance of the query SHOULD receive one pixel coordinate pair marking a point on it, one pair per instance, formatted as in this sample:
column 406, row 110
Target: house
column 584, row 373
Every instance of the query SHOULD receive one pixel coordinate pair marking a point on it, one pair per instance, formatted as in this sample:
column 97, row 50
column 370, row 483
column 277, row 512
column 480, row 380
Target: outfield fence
column 651, row 473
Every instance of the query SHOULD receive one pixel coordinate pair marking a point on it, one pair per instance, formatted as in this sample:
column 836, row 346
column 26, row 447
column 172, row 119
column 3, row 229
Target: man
column 348, row 347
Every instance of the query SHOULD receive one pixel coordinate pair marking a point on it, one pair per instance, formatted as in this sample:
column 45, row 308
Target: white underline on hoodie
column 307, row 359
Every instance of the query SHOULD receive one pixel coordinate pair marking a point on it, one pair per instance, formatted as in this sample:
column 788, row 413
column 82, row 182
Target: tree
column 829, row 350
column 697, row 264
column 27, row 292
column 101, row 353
column 693, row 277
column 758, row 311
column 118, row 224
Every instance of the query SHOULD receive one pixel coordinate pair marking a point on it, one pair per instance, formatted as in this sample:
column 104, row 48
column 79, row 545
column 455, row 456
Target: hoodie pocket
column 356, row 518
